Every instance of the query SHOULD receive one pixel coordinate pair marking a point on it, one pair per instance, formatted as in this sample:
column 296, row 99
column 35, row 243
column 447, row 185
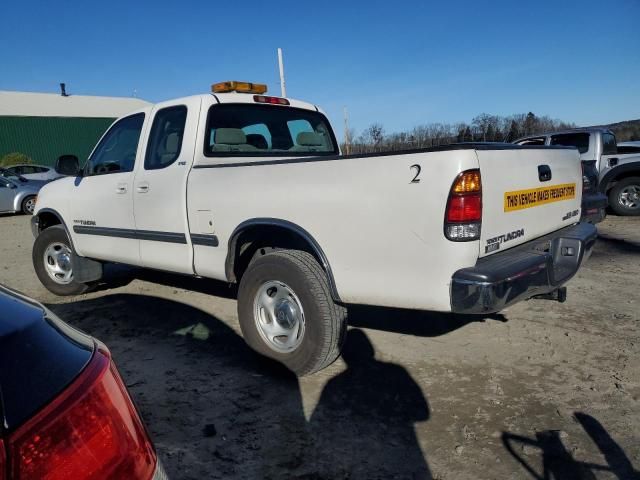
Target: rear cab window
column 165, row 139
column 578, row 140
column 267, row 130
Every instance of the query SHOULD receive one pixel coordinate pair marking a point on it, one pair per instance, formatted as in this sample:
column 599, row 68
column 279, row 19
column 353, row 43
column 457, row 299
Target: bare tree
column 373, row 135
column 484, row 127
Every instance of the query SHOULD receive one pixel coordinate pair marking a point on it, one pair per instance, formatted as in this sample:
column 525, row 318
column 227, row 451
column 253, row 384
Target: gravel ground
column 542, row 390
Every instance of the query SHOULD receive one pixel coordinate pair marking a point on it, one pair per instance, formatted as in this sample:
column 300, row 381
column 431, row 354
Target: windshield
column 12, row 176
column 265, row 130
column 11, row 181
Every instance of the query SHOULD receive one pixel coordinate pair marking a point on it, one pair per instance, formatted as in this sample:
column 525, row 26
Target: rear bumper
column 594, row 207
column 534, row 268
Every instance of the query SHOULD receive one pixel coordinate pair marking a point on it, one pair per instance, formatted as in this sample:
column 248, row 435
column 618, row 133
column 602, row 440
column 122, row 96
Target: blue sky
column 399, row 63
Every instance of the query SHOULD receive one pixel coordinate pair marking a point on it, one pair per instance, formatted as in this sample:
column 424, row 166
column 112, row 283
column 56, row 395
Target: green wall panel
column 44, row 139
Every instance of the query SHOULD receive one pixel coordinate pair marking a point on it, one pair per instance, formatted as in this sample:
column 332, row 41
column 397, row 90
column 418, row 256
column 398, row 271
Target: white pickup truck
column 248, row 188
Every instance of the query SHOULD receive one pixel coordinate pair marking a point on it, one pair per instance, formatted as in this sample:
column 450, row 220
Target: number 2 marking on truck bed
column 417, row 169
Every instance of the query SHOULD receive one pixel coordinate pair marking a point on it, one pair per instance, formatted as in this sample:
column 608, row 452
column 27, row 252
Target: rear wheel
column 29, row 205
column 624, row 197
column 52, row 257
column 286, row 311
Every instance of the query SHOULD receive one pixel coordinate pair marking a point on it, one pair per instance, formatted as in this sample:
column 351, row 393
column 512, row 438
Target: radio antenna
column 283, row 90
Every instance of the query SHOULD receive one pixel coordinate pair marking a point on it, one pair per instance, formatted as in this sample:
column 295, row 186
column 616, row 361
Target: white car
column 249, row 188
column 35, row 172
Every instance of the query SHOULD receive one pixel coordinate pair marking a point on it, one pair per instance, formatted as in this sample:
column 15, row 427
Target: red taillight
column 464, row 207
column 270, row 100
column 91, row 431
column 467, row 208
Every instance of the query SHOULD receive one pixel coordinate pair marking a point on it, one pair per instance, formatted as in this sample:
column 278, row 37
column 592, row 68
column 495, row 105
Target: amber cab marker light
column 240, row 87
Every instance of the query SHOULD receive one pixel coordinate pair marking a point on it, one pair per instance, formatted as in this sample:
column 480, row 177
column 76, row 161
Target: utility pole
column 283, row 90
column 347, row 136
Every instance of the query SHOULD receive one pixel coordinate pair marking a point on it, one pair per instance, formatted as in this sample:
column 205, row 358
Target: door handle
column 142, row 187
column 121, row 188
column 544, row 173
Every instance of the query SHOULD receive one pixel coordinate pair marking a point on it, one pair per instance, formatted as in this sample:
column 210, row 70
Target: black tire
column 615, row 200
column 28, row 205
column 325, row 321
column 50, row 236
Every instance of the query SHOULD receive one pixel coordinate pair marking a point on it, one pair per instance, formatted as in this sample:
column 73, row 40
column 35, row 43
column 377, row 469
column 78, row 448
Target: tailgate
column 519, row 203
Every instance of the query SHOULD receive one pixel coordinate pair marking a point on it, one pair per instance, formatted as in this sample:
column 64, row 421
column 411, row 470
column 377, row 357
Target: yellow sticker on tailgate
column 533, row 197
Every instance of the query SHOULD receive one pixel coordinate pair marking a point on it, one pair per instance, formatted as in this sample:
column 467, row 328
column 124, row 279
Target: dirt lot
column 543, row 387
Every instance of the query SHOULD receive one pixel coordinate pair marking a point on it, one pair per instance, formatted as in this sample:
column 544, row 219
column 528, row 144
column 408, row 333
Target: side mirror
column 68, row 165
column 10, row 185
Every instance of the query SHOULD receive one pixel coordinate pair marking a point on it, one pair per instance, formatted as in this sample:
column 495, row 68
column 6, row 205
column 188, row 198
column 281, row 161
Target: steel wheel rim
column 30, row 205
column 57, row 263
column 629, row 197
column 279, row 316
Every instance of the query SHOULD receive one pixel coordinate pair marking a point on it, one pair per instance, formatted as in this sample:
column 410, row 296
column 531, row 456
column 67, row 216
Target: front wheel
column 29, row 205
column 286, row 311
column 52, row 257
column 624, row 197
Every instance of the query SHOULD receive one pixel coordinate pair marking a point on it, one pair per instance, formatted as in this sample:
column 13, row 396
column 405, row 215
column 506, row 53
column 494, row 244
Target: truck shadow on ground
column 217, row 410
column 556, row 462
column 413, row 322
column 407, row 322
column 121, row 275
column 619, row 245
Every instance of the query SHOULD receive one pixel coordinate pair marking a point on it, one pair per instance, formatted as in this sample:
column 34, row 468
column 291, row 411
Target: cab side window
column 116, row 152
column 532, row 141
column 609, row 146
column 165, row 139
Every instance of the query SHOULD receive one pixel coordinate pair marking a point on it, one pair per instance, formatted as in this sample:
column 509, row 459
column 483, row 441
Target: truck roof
column 569, row 130
column 233, row 97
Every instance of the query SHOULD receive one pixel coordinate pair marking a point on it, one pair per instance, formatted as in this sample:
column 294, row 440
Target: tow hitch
column 559, row 295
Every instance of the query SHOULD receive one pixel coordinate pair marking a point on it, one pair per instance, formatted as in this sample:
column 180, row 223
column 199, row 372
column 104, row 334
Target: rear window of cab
column 578, row 140
column 246, row 130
